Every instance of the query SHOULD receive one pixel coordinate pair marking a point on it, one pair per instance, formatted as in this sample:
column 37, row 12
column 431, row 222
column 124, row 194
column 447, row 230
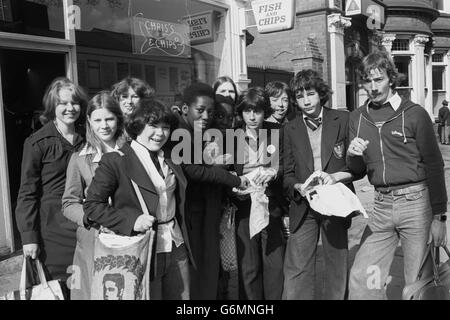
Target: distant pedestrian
column 444, row 123
column 393, row 140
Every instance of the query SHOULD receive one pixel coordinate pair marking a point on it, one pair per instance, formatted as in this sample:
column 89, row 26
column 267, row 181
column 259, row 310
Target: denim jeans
column 301, row 252
column 404, row 215
column 172, row 281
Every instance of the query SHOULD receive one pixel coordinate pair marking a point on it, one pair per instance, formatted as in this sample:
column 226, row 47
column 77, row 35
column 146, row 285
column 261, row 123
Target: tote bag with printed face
column 122, row 264
column 122, row 267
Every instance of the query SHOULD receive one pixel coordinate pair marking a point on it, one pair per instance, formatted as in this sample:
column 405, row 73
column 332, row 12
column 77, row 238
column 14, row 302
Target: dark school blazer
column 113, row 179
column 298, row 159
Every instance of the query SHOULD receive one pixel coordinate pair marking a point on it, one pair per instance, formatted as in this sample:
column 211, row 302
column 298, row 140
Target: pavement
column 365, row 194
column 10, row 268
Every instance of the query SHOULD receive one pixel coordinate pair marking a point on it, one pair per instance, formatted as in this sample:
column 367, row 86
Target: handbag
column 434, row 287
column 122, row 264
column 46, row 290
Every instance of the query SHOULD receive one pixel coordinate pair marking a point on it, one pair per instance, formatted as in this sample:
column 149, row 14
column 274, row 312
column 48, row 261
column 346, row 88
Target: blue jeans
column 300, row 258
column 172, row 281
column 403, row 215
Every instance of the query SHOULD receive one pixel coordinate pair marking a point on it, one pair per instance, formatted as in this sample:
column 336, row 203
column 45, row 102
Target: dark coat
column 443, row 116
column 274, row 191
column 113, row 179
column 203, row 214
column 46, row 155
column 298, row 159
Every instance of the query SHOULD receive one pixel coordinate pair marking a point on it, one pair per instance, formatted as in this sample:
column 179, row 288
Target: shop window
column 150, row 75
column 438, row 78
column 122, row 70
column 136, row 70
column 33, row 17
column 93, row 74
column 168, row 43
column 108, row 74
column 438, row 57
column 438, row 4
column 403, row 64
column 400, row 45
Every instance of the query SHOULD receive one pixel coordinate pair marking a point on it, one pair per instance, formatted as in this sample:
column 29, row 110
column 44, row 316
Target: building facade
column 171, row 43
column 168, row 43
column 333, row 36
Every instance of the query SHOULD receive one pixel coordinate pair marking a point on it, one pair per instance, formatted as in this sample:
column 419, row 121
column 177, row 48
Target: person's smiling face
column 128, row 101
column 200, row 113
column 153, row 137
column 279, row 106
column 67, row 111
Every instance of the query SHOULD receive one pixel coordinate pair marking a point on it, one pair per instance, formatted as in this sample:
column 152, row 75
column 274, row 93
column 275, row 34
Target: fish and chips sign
column 201, row 27
column 160, row 38
column 273, row 15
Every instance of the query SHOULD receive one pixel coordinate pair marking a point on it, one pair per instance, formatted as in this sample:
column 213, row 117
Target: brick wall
column 305, row 46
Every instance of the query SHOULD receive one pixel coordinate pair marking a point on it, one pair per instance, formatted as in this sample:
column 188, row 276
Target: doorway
column 25, row 76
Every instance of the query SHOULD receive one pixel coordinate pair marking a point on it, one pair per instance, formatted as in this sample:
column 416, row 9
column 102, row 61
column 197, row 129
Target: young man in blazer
column 315, row 141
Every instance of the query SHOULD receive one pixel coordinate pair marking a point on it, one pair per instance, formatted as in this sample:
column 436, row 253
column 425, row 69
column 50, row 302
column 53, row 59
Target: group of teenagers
column 78, row 172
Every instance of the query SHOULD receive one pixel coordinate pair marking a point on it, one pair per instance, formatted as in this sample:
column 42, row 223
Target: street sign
column 160, row 38
column 273, row 15
column 367, row 8
column 201, row 27
column 353, row 7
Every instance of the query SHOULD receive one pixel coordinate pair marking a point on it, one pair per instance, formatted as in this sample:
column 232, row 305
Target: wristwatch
column 441, row 217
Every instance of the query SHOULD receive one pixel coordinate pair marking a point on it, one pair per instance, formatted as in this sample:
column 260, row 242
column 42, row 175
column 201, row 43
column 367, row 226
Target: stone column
column 336, row 25
column 237, row 42
column 429, row 85
column 387, row 40
column 419, row 74
column 447, row 76
column 6, row 232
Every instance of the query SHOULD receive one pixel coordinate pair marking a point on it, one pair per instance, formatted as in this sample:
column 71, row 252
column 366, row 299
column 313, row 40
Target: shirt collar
column 160, row 152
column 252, row 134
column 395, row 101
column 90, row 150
column 319, row 116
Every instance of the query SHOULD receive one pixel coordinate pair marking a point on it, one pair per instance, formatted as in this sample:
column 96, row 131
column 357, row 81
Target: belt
column 153, row 261
column 165, row 222
column 398, row 191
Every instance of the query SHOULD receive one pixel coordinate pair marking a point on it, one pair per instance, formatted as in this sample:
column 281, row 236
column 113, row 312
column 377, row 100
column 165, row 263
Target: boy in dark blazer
column 315, row 141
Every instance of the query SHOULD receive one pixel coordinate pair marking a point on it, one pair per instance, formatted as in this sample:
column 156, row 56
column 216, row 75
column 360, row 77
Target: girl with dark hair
column 226, row 87
column 104, row 128
column 45, row 232
column 163, row 188
column 129, row 91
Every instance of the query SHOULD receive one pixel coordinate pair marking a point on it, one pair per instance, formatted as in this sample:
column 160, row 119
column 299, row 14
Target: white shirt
column 395, row 101
column 165, row 188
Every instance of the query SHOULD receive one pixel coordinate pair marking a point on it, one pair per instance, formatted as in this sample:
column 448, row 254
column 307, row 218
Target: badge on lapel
column 338, row 150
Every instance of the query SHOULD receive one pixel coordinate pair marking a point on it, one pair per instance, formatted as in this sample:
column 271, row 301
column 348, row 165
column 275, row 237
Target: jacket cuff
column 29, row 237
